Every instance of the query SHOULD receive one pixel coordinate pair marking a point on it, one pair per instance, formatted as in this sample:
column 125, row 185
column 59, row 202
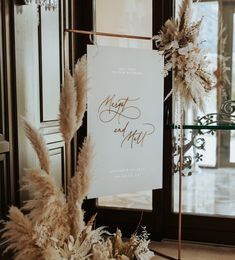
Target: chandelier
column 49, row 4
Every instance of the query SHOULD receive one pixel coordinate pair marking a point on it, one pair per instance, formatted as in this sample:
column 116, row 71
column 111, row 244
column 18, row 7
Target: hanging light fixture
column 49, row 4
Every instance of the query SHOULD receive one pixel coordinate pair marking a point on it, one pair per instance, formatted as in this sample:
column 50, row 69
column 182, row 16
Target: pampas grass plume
column 79, row 187
column 80, row 83
column 184, row 13
column 80, row 183
column 40, row 183
column 48, row 208
column 68, row 106
column 20, row 234
column 38, row 144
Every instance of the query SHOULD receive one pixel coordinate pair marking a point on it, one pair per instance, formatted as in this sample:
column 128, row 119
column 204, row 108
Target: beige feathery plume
column 48, row 210
column 38, row 144
column 80, row 82
column 20, row 235
column 44, row 190
column 79, row 187
column 68, row 107
column 183, row 13
column 40, row 183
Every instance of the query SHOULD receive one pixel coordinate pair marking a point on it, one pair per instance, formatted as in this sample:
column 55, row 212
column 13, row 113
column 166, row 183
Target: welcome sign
column 125, row 119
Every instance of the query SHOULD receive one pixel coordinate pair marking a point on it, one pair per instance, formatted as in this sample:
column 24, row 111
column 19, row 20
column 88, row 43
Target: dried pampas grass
column 73, row 100
column 72, row 108
column 48, row 210
column 40, row 183
column 184, row 13
column 79, row 187
column 68, row 105
column 80, row 183
column 38, row 144
column 19, row 234
column 80, row 83
column 178, row 41
column 53, row 227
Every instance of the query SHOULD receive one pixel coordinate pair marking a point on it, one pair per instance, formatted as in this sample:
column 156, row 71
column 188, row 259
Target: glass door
column 133, row 18
column 142, row 18
column 209, row 169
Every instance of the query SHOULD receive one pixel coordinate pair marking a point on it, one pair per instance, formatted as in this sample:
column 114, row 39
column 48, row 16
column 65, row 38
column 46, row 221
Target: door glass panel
column 208, row 186
column 209, row 155
column 132, row 17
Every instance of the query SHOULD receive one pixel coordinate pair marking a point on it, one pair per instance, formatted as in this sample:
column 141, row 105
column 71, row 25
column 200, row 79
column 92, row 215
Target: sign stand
column 82, row 32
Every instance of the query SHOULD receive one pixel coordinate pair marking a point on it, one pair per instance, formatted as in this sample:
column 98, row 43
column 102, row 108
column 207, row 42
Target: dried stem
column 68, row 167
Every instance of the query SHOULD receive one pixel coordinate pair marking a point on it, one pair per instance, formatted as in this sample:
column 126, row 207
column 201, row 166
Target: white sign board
column 125, row 119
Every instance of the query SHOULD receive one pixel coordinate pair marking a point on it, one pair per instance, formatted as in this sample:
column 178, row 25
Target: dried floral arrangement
column 51, row 225
column 178, row 41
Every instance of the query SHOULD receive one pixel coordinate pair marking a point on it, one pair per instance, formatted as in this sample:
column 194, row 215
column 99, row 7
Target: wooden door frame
column 9, row 156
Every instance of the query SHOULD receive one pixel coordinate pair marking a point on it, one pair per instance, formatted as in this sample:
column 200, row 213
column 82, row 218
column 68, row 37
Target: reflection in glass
column 138, row 200
column 208, row 11
column 132, row 17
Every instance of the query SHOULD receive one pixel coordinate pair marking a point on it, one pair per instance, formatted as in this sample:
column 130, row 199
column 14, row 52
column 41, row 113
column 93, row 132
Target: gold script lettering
column 136, row 136
column 111, row 108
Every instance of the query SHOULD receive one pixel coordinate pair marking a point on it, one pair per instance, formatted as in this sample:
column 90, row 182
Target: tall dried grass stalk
column 79, row 187
column 67, row 178
column 68, row 120
column 20, row 236
column 38, row 144
column 68, row 105
column 80, row 82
